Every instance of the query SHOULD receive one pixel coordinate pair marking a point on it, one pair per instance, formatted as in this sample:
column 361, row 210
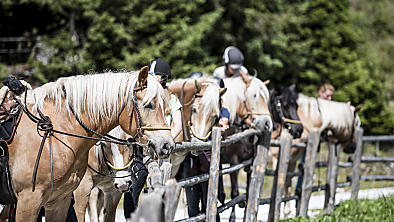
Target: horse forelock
column 234, row 96
column 210, row 99
column 260, row 89
column 101, row 96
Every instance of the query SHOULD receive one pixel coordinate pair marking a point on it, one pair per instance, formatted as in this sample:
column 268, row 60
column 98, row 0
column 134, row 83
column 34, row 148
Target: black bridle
column 191, row 103
column 286, row 122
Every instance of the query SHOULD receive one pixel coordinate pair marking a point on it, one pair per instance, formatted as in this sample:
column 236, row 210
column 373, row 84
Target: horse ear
column 143, row 76
column 292, row 87
column 222, row 91
column 266, row 82
column 348, row 102
column 358, row 107
column 245, row 77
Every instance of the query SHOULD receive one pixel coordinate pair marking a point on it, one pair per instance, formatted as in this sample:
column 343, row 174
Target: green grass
column 379, row 210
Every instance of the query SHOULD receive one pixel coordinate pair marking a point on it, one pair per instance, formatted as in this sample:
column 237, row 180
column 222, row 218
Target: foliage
column 304, row 42
column 381, row 209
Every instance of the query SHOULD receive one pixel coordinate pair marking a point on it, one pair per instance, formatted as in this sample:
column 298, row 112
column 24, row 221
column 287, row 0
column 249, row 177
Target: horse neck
column 234, row 97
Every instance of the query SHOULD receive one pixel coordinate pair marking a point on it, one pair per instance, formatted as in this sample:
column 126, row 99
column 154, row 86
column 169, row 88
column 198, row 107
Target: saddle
column 10, row 115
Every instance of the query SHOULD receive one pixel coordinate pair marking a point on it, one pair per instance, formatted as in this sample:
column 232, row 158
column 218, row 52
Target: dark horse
column 283, row 107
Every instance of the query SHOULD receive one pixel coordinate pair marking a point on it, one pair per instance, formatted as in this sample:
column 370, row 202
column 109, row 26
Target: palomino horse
column 320, row 114
column 112, row 178
column 100, row 102
column 247, row 99
column 200, row 98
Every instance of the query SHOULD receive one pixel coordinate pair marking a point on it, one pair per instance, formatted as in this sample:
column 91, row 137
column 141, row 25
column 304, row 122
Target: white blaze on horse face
column 122, row 183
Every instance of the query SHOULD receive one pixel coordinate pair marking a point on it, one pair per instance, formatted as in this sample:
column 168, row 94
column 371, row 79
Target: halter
column 284, row 120
column 196, row 95
column 138, row 120
column 249, row 110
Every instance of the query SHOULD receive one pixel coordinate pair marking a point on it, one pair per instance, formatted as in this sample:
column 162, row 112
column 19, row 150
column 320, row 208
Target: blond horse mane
column 257, row 87
column 101, row 96
column 234, row 95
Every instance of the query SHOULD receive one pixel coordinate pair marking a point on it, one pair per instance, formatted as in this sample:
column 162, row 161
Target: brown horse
column 321, row 115
column 201, row 106
column 113, row 161
column 101, row 102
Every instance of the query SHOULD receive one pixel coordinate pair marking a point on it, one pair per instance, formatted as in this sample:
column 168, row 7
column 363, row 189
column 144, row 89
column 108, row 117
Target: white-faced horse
column 110, row 164
column 80, row 105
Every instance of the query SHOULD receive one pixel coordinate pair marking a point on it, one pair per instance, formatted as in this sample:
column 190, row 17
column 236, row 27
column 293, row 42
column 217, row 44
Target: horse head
column 349, row 145
column 256, row 103
column 284, row 107
column 145, row 115
column 205, row 108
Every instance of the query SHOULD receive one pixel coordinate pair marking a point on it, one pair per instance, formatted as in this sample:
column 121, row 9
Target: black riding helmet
column 161, row 68
column 233, row 56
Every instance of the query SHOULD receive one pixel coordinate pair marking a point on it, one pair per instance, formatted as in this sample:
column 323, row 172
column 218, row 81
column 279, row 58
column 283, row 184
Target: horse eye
column 254, row 95
column 194, row 110
column 148, row 106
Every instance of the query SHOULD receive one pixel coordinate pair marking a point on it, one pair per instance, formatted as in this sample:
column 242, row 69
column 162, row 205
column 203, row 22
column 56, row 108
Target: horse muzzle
column 161, row 148
column 263, row 123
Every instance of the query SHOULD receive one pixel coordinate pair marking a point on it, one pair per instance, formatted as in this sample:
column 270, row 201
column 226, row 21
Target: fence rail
column 259, row 171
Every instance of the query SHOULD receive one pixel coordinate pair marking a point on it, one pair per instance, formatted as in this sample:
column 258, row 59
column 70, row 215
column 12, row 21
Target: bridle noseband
column 284, row 121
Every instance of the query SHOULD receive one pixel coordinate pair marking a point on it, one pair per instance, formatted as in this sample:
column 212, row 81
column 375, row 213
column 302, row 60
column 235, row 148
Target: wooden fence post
column 165, row 169
column 213, row 183
column 257, row 177
column 309, row 167
column 356, row 163
column 332, row 175
column 171, row 198
column 280, row 176
column 155, row 178
column 150, row 207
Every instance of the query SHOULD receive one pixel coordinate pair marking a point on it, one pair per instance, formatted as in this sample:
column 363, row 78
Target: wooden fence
column 169, row 190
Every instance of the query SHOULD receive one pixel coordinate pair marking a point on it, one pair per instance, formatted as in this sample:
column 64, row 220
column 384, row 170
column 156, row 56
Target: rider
column 326, row 91
column 233, row 60
column 161, row 69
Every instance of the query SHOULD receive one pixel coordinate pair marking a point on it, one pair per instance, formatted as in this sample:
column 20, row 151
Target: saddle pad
column 7, row 196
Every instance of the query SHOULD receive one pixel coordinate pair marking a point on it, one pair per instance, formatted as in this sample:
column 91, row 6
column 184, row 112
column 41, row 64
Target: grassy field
column 379, row 210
